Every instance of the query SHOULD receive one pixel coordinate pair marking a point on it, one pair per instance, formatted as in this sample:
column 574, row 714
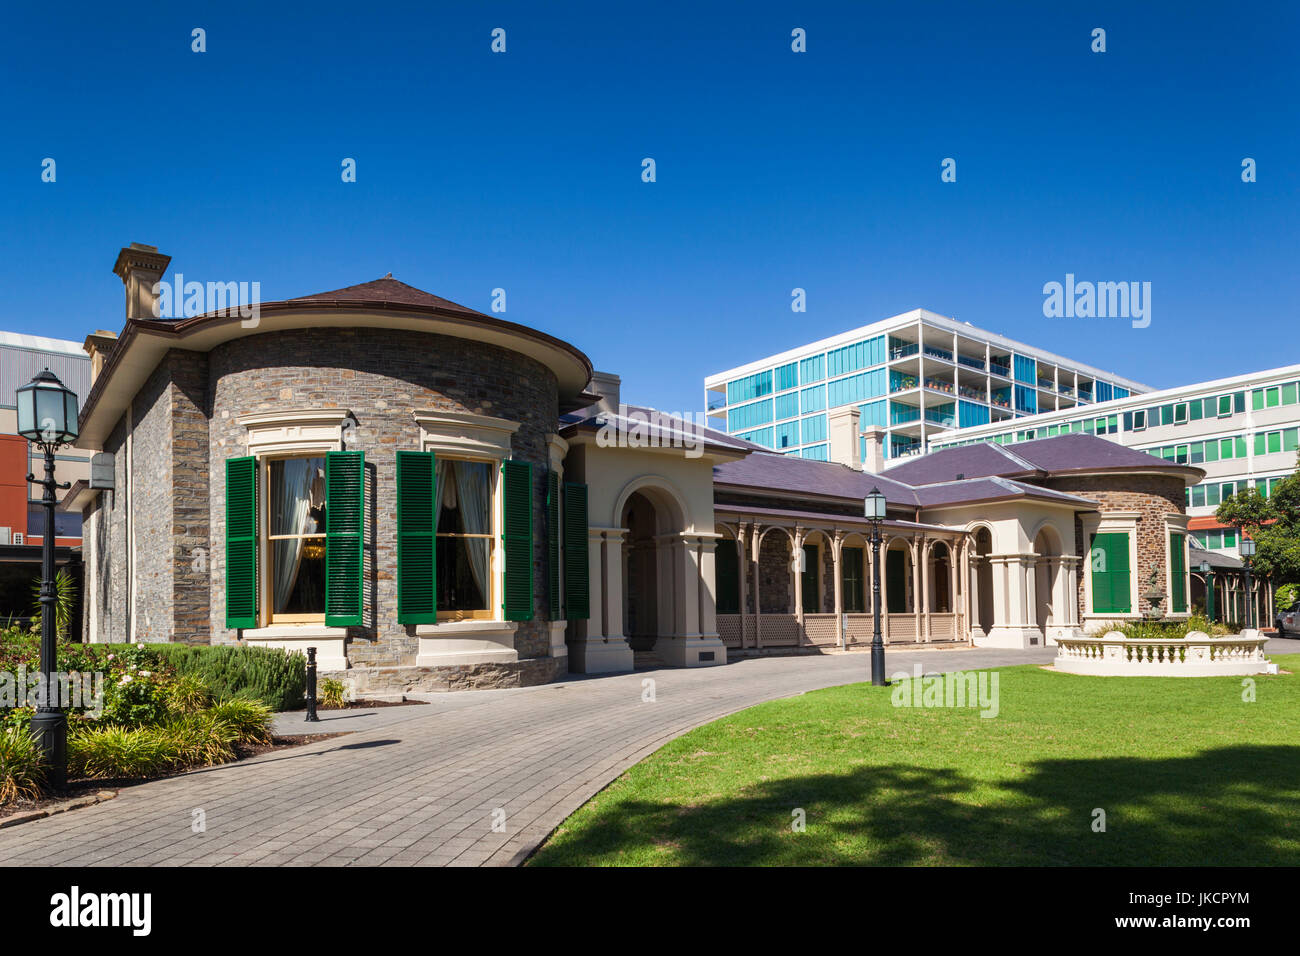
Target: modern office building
column 916, row 375
column 22, row 517
column 1243, row 431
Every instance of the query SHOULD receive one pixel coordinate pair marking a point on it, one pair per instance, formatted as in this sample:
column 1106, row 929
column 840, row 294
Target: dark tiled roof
column 1220, row 562
column 1029, row 459
column 992, row 489
column 769, row 471
column 658, row 429
column 386, row 291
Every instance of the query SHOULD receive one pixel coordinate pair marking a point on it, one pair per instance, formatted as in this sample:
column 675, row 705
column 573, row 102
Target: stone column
column 742, row 563
column 756, row 549
column 688, row 548
column 796, row 554
column 836, row 545
column 926, row 550
column 884, row 588
column 600, row 647
column 708, row 583
column 614, row 582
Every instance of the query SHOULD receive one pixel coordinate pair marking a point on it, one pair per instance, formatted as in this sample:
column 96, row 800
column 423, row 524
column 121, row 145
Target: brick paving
column 421, row 785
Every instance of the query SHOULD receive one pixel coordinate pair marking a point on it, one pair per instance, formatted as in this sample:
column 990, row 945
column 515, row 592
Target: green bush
column 21, row 773
column 1168, row 630
column 112, row 751
column 332, row 693
column 275, row 677
column 198, row 740
column 187, row 695
column 246, row 721
column 1285, row 597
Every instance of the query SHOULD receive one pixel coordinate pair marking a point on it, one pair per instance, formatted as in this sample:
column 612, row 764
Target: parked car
column 1288, row 622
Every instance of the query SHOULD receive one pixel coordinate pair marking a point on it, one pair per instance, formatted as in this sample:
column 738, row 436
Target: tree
column 1274, row 523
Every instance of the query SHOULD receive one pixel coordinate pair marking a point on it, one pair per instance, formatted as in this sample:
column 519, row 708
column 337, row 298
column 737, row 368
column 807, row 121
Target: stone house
column 437, row 498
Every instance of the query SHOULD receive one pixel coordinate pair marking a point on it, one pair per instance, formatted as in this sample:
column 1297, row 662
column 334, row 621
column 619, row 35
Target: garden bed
column 142, row 711
column 80, row 791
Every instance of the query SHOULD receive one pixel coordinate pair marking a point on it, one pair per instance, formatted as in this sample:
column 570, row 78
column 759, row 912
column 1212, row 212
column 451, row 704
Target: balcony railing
column 903, row 383
column 904, row 351
column 901, row 415
column 946, row 419
column 997, row 368
column 1085, row 394
column 970, row 362
column 975, row 393
column 938, row 353
column 938, row 385
column 1047, row 383
column 1066, row 390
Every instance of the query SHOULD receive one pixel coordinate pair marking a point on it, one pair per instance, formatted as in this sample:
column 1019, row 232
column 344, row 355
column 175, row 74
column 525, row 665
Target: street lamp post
column 1247, row 552
column 874, row 507
column 1209, row 589
column 47, row 416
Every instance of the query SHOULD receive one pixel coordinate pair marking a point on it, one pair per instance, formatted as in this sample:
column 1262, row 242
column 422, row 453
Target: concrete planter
column 1196, row 655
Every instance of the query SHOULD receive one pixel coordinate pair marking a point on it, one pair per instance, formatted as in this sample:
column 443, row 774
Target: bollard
column 311, row 686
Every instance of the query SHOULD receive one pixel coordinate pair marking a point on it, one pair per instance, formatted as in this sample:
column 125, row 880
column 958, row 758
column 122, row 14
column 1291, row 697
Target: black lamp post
column 47, row 416
column 1208, row 572
column 874, row 507
column 1247, row 549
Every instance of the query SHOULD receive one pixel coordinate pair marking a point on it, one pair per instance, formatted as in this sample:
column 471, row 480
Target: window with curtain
column 464, row 537
column 295, row 504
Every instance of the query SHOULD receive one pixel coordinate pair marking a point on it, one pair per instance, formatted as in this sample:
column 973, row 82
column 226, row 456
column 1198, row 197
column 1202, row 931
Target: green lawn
column 1186, row 771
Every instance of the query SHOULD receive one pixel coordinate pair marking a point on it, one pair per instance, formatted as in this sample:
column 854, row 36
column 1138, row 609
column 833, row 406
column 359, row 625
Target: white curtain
column 473, row 492
column 300, row 485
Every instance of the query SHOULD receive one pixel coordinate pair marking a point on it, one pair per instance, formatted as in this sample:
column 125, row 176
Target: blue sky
column 775, row 170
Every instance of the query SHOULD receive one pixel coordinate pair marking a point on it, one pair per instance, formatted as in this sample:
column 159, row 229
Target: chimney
column 873, row 459
column 606, row 385
column 99, row 346
column 139, row 267
column 842, row 428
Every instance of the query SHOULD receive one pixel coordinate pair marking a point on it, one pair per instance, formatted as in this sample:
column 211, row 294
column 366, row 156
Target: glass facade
column 915, row 380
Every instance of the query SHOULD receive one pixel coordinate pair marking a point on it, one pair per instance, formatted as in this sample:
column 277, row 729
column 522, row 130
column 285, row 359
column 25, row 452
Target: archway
column 1047, row 572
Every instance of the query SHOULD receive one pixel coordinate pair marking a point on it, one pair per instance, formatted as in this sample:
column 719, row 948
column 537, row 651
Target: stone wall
column 1154, row 497
column 381, row 377
column 774, row 578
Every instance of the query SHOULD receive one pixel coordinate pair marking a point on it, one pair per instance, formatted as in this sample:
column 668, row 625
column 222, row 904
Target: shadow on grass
column 1228, row 806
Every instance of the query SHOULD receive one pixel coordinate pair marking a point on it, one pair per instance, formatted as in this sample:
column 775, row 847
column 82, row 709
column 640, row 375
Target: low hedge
column 275, row 677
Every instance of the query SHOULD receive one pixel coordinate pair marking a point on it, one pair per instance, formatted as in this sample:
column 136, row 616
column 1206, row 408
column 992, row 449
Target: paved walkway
column 423, row 784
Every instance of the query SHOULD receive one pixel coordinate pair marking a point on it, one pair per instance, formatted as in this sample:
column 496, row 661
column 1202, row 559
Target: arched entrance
column 1047, row 572
column 640, row 573
column 654, row 570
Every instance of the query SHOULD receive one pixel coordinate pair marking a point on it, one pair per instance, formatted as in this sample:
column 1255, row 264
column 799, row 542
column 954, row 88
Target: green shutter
column 727, row 577
column 241, row 542
column 553, row 543
column 417, row 592
column 345, row 496
column 577, row 593
column 1178, row 568
column 1110, row 582
column 517, row 536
